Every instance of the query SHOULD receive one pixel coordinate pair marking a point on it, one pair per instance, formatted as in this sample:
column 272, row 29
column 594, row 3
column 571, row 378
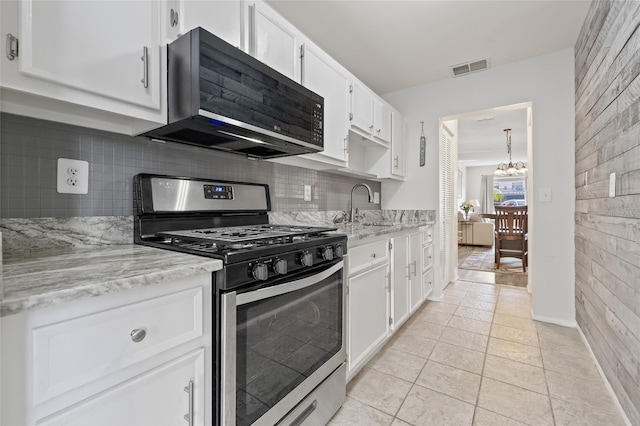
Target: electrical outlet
column 73, row 176
column 376, row 198
column 612, row 185
column 307, row 193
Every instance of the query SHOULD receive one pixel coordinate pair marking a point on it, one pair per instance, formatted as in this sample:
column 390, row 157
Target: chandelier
column 517, row 168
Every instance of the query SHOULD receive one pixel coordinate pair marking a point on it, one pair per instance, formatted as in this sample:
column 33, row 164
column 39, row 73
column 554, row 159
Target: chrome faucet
column 370, row 198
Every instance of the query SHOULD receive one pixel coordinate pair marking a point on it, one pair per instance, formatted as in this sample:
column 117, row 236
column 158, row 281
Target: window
column 509, row 191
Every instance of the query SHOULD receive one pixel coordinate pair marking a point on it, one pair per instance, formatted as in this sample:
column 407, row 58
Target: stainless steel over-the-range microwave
column 222, row 98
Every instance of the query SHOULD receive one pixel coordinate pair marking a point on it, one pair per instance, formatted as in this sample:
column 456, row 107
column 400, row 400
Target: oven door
column 279, row 343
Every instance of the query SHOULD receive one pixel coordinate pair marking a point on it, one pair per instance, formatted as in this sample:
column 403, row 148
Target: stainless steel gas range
column 279, row 300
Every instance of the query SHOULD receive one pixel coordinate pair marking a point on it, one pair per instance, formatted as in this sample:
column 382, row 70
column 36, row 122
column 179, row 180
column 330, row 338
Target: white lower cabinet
column 388, row 282
column 368, row 315
column 400, row 267
column 161, row 396
column 415, row 271
column 119, row 359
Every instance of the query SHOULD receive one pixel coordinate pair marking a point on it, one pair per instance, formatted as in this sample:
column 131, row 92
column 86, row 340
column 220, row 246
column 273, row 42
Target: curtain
column 486, row 194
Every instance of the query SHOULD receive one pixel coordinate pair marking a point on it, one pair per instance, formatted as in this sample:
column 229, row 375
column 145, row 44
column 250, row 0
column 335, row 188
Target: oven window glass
column 281, row 341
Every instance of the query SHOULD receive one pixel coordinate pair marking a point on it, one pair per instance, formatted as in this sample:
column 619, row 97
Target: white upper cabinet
column 99, row 54
column 398, row 146
column 361, row 113
column 221, row 17
column 324, row 76
column 381, row 121
column 274, row 41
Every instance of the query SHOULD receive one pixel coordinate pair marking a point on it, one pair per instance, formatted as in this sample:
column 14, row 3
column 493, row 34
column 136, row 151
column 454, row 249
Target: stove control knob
column 339, row 251
column 327, row 253
column 280, row 266
column 260, row 272
column 306, row 259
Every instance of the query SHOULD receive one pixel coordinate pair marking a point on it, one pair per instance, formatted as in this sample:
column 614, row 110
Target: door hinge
column 12, row 47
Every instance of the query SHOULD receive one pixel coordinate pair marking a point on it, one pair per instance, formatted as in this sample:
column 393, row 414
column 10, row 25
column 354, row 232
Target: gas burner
column 241, row 246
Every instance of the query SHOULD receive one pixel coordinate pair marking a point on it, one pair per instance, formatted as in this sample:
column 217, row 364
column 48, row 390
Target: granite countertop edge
column 34, row 281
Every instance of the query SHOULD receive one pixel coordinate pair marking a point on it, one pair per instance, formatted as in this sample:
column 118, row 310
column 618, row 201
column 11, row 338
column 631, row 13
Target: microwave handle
column 265, row 293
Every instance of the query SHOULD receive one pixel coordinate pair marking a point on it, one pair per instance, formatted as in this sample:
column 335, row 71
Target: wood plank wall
column 607, row 61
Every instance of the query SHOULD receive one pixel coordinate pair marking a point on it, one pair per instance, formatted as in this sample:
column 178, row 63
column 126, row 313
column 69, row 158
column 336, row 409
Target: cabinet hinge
column 302, row 51
column 350, row 116
column 12, row 47
column 347, row 289
column 350, row 88
column 390, row 245
column 390, row 321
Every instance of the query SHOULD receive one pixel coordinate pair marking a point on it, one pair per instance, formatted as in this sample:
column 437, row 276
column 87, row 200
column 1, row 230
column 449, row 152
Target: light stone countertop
column 36, row 281
column 356, row 232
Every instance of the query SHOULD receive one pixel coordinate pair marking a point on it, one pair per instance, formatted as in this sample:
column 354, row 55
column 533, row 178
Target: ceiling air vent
column 469, row 67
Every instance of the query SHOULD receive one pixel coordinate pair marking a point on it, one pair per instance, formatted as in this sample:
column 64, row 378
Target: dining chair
column 511, row 234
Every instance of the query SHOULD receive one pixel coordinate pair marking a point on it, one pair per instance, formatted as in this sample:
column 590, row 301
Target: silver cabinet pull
column 173, row 18
column 12, row 47
column 145, row 60
column 373, row 255
column 395, row 162
column 415, row 268
column 138, row 335
column 190, row 389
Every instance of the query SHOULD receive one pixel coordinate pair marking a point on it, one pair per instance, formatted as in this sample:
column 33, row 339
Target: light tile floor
column 477, row 358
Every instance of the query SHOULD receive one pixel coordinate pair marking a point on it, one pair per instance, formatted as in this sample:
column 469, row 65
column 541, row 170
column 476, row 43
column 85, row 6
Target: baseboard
column 565, row 323
column 436, row 299
column 604, row 377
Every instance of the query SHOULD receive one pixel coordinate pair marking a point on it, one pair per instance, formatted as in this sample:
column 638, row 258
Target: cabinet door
column 220, row 17
column 361, row 108
column 274, row 41
column 400, row 280
column 157, row 397
column 381, row 121
column 397, row 145
column 368, row 314
column 416, row 294
column 321, row 75
column 81, row 44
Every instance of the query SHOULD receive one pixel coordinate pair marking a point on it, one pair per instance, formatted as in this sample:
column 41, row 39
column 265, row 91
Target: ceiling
column 482, row 140
column 395, row 45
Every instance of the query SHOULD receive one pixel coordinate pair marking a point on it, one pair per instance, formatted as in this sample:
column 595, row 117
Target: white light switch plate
column 73, row 176
column 545, row 195
column 612, row 185
column 307, row 193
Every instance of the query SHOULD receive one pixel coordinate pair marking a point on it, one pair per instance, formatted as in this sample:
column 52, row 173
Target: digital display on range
column 218, row 192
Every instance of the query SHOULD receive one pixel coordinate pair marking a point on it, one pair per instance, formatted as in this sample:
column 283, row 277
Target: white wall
column 548, row 83
column 473, row 179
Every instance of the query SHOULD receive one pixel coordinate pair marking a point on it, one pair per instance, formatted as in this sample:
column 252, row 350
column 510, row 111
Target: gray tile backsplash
column 30, row 149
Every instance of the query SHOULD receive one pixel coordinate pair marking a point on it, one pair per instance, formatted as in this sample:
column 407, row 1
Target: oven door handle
column 264, row 293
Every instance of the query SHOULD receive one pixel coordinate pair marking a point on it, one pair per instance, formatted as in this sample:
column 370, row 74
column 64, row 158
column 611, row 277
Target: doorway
column 478, row 145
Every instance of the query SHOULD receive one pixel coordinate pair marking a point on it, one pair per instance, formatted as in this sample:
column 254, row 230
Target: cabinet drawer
column 427, row 283
column 427, row 235
column 427, row 257
column 368, row 255
column 75, row 352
